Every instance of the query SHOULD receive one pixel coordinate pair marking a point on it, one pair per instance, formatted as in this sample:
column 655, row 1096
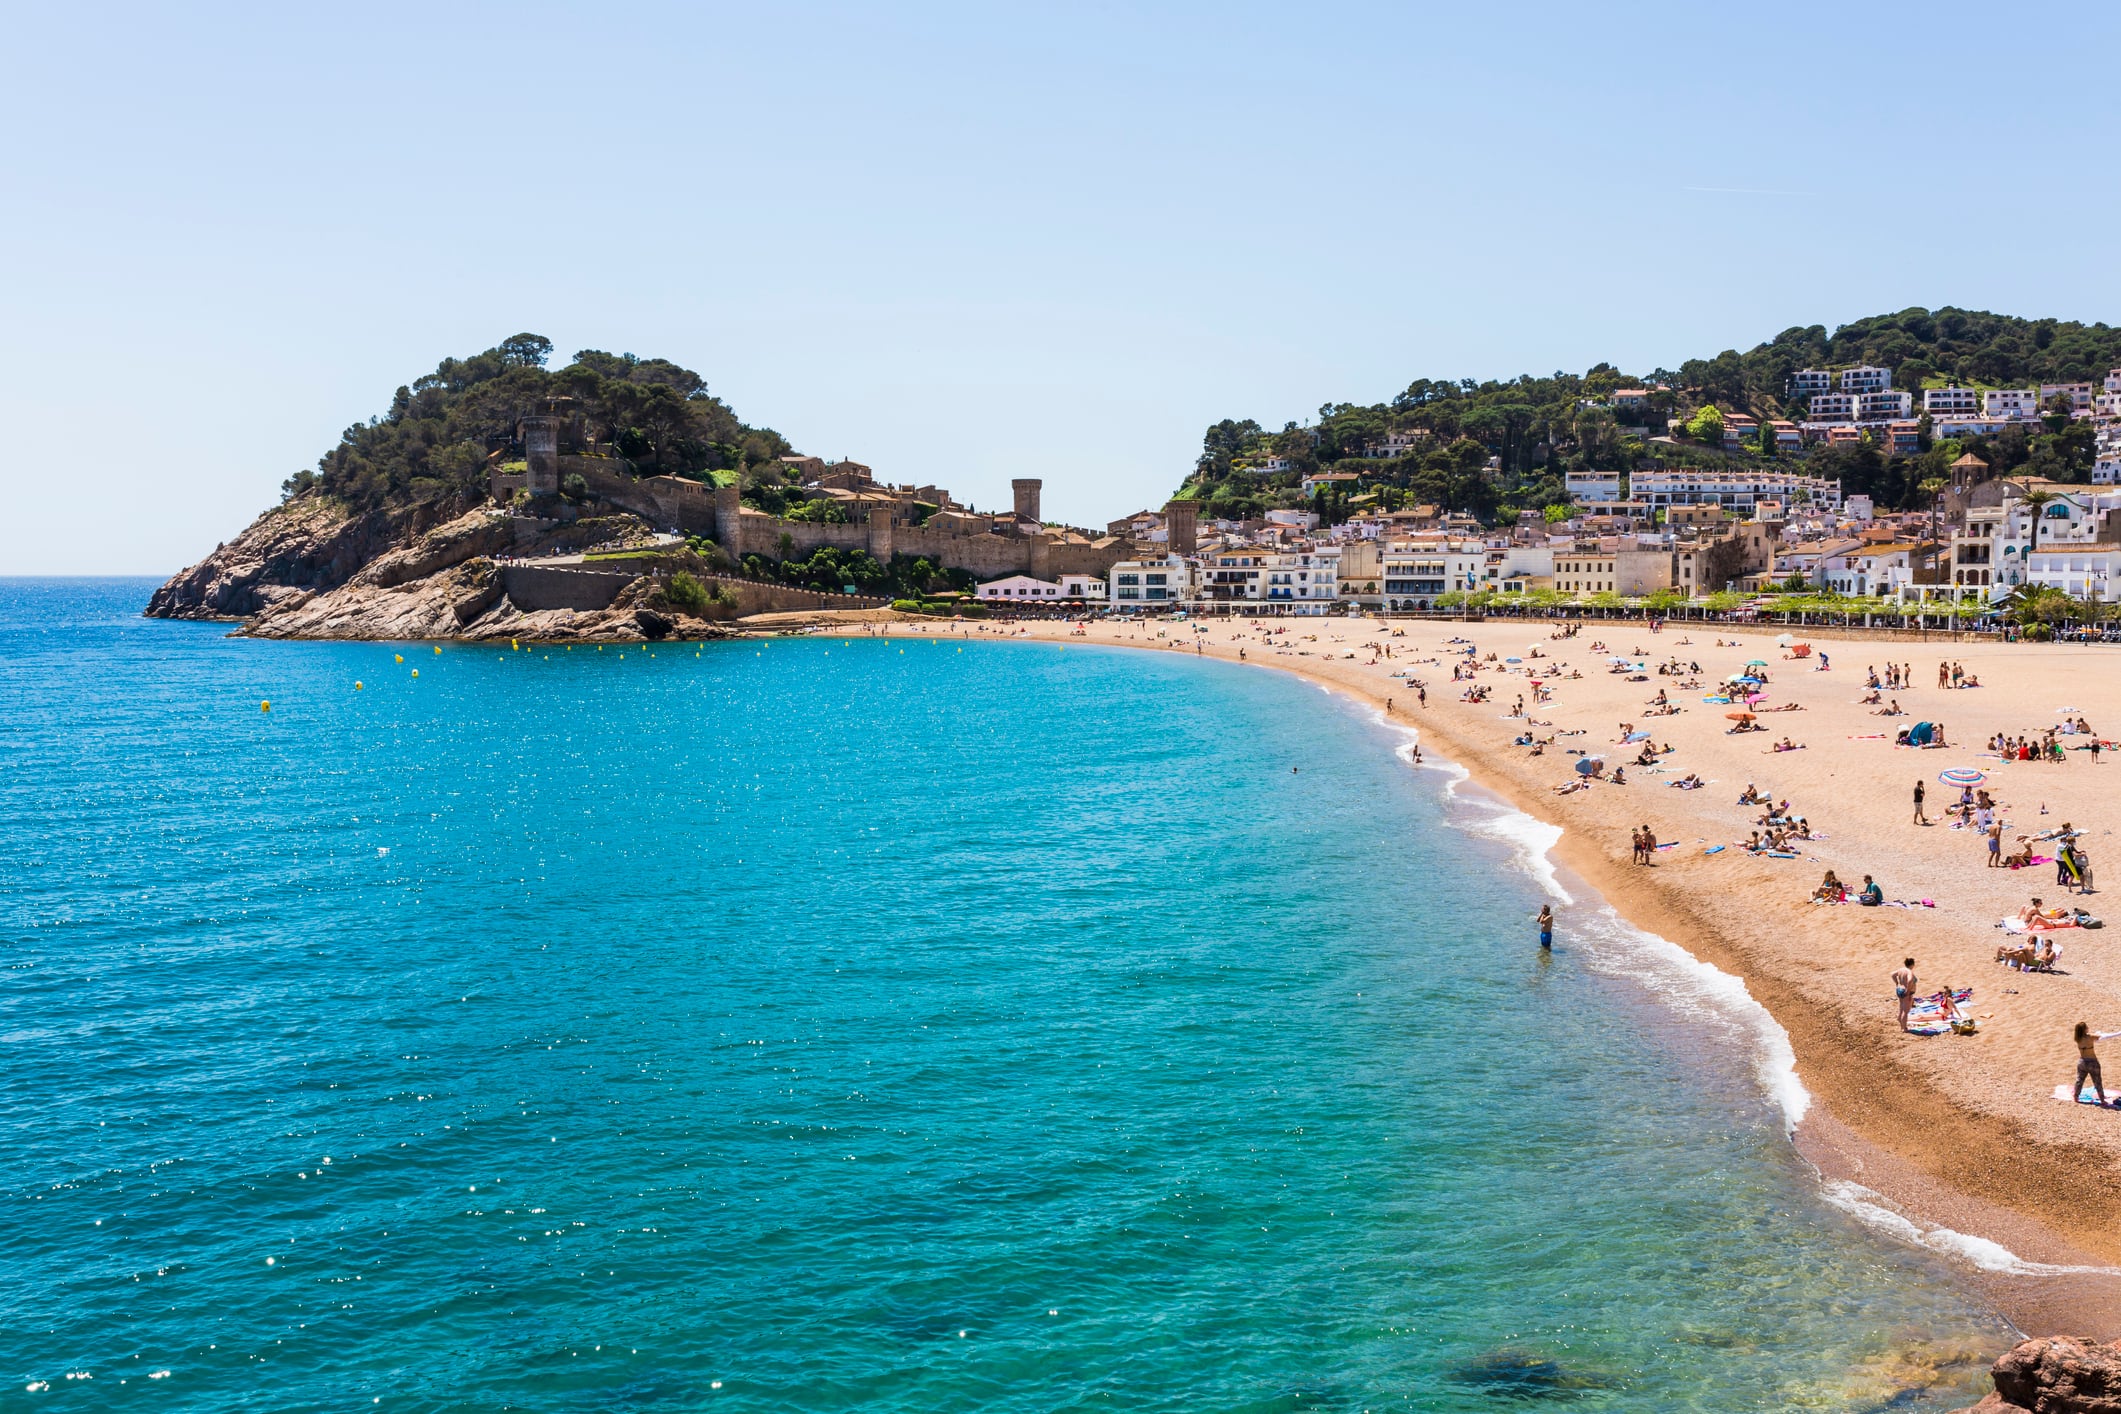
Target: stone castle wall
column 695, row 508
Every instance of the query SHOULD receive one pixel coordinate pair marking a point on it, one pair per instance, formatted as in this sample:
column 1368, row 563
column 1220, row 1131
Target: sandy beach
column 1962, row 1132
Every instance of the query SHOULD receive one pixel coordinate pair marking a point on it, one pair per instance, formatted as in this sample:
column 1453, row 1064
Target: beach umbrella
column 1739, row 716
column 1586, row 765
column 1513, row 660
column 1961, row 776
column 1756, row 662
column 1785, row 640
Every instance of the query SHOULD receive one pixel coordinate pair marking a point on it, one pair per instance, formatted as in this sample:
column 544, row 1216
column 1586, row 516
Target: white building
column 1395, row 444
column 1082, row 586
column 1969, row 426
column 2077, row 551
column 1019, row 589
column 1937, row 401
column 1738, row 489
column 1806, row 382
column 2016, row 403
column 1883, row 406
column 1831, row 407
column 1141, row 584
column 1414, row 578
column 2106, row 471
column 1864, row 378
column 1295, row 520
column 1594, row 486
column 1299, row 581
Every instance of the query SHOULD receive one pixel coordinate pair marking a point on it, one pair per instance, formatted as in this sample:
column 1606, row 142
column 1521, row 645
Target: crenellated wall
column 695, row 508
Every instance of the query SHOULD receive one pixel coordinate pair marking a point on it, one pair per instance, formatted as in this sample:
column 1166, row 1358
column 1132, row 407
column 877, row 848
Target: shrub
column 687, row 593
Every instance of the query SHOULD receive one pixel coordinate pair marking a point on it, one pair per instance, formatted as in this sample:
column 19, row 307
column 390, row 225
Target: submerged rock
column 1522, row 1374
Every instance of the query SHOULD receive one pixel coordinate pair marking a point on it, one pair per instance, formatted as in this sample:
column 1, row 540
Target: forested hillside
column 1491, row 447
column 441, row 429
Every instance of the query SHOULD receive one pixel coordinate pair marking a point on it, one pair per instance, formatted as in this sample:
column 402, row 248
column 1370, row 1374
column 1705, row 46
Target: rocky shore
column 312, row 569
column 2055, row 1375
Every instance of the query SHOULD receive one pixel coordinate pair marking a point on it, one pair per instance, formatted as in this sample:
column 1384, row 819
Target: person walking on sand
column 1904, row 989
column 1920, row 791
column 1546, row 926
column 1995, row 844
column 2088, row 1061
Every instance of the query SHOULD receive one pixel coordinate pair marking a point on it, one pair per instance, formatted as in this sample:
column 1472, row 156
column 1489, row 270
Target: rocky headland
column 311, row 568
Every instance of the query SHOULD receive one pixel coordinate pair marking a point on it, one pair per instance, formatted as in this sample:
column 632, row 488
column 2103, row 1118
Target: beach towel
column 1926, row 1017
column 2085, row 1096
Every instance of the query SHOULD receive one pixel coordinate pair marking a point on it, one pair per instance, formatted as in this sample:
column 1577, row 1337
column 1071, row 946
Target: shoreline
column 2025, row 1217
column 2025, row 1222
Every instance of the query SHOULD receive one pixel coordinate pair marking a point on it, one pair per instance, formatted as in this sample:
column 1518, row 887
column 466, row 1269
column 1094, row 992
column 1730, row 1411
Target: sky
column 967, row 243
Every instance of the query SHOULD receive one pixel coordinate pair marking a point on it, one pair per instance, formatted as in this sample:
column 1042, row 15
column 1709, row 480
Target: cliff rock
column 300, row 547
column 312, row 569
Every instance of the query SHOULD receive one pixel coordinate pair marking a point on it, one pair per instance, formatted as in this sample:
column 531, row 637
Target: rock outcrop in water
column 2056, row 1375
column 311, row 569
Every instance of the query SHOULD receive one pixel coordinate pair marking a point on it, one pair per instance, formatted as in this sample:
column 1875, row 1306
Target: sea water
column 851, row 1023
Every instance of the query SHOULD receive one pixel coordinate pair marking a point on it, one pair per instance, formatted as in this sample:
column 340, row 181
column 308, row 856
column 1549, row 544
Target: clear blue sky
column 966, row 243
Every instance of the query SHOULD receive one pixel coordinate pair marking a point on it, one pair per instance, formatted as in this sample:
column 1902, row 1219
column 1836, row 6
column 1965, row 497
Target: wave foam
column 1699, row 989
column 1875, row 1210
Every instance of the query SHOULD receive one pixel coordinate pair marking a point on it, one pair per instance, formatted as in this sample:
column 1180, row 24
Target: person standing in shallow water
column 1546, row 926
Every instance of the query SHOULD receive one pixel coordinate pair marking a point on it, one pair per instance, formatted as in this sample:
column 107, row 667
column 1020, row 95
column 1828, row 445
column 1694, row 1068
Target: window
column 1130, row 579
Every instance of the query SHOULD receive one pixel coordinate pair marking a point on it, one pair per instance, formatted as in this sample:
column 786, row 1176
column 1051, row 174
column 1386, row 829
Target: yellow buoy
column 415, row 672
column 399, row 656
column 438, row 650
column 264, row 706
column 513, row 645
column 357, row 685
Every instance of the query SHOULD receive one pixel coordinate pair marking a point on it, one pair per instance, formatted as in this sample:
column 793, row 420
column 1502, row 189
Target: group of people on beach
column 2046, row 745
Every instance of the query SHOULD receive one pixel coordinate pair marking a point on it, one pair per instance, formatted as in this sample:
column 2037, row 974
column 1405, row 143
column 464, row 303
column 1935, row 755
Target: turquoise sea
column 852, row 1024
